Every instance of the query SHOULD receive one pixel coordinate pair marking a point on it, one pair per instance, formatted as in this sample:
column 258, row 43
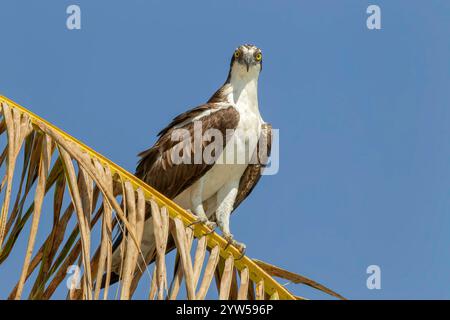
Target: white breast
column 242, row 146
column 242, row 94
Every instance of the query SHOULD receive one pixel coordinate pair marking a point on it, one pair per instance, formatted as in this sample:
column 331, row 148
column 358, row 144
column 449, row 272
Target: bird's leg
column 197, row 206
column 225, row 198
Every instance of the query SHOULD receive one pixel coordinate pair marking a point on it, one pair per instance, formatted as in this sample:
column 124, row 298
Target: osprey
column 212, row 189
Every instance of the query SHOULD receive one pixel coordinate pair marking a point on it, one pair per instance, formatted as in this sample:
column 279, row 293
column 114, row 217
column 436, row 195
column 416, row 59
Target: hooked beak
column 247, row 61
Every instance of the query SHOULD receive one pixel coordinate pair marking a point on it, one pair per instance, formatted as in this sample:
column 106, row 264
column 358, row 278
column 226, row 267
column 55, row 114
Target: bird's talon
column 199, row 220
column 212, row 226
column 229, row 238
column 209, row 232
column 242, row 254
column 240, row 246
column 191, row 224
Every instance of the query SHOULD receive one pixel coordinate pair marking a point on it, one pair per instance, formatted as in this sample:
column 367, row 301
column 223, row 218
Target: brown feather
column 155, row 166
column 253, row 172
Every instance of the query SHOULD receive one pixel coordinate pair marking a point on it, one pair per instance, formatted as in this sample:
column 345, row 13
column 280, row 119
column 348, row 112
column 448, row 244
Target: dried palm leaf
column 80, row 188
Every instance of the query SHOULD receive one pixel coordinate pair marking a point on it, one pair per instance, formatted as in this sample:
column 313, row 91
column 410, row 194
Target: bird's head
column 246, row 61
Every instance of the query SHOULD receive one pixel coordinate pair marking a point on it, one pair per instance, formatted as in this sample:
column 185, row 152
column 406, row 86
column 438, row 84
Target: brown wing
column 253, row 172
column 156, row 167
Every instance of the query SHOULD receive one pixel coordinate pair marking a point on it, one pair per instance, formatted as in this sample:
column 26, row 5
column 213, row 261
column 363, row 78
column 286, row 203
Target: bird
column 212, row 189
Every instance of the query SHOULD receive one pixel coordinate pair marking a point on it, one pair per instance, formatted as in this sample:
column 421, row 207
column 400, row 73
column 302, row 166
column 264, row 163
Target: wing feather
column 253, row 172
column 156, row 167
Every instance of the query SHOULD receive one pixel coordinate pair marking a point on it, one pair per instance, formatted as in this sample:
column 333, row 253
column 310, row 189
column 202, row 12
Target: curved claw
column 194, row 223
column 209, row 224
column 240, row 246
column 229, row 238
column 242, row 254
column 199, row 220
column 209, row 232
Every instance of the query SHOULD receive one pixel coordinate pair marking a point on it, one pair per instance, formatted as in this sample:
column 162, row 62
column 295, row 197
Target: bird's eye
column 237, row 54
column 258, row 57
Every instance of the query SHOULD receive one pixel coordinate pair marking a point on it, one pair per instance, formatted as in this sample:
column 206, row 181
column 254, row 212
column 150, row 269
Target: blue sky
column 363, row 117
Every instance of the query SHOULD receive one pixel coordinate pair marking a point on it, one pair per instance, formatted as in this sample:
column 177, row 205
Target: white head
column 246, row 63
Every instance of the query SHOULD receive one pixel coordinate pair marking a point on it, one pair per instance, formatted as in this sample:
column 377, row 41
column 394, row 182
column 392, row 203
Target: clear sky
column 363, row 117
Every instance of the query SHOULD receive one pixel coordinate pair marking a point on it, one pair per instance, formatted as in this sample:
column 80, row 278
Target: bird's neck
column 240, row 89
column 243, row 90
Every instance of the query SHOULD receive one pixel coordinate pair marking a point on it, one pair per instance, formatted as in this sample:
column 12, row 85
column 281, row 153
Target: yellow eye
column 237, row 54
column 258, row 57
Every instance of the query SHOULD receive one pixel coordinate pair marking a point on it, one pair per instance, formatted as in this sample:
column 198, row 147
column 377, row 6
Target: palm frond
column 85, row 196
